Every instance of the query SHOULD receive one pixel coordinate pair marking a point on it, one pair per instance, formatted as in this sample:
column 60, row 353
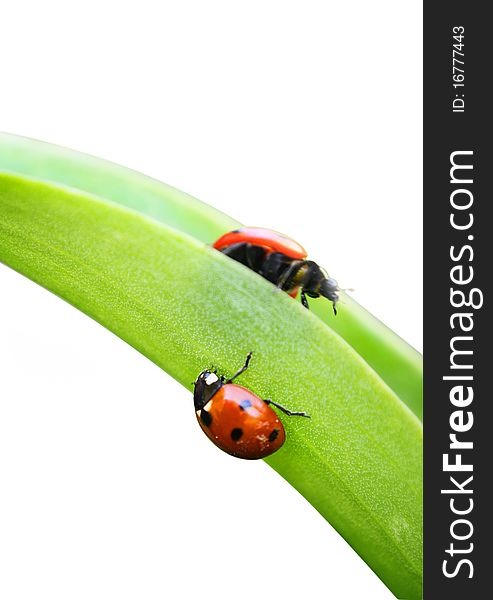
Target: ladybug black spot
column 244, row 404
column 273, row 435
column 236, row 434
column 206, row 418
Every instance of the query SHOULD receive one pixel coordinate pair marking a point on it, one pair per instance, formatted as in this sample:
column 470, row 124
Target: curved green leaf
column 357, row 460
column 399, row 365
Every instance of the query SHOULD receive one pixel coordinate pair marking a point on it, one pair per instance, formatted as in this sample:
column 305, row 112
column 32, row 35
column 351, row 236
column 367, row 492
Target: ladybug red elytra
column 235, row 419
column 280, row 260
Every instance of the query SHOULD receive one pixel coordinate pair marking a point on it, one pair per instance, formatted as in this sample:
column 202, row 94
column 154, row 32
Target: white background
column 301, row 116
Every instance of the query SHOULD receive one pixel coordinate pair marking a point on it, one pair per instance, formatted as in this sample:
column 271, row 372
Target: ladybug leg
column 287, row 411
column 247, row 254
column 255, row 256
column 236, row 251
column 304, row 301
column 243, row 368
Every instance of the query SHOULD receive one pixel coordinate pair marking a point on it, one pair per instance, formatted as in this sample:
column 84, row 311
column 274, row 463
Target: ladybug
column 235, row 419
column 280, row 260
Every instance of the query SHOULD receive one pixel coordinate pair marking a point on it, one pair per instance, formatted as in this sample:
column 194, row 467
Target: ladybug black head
column 205, row 386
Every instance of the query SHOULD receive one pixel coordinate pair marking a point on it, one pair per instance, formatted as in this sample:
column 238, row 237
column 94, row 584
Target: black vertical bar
column 458, row 120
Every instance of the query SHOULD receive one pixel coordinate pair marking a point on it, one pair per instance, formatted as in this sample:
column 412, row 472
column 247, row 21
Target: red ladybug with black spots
column 235, row 419
column 280, row 260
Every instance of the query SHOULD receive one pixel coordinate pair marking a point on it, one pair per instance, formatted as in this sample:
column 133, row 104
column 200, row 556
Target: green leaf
column 357, row 460
column 399, row 365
